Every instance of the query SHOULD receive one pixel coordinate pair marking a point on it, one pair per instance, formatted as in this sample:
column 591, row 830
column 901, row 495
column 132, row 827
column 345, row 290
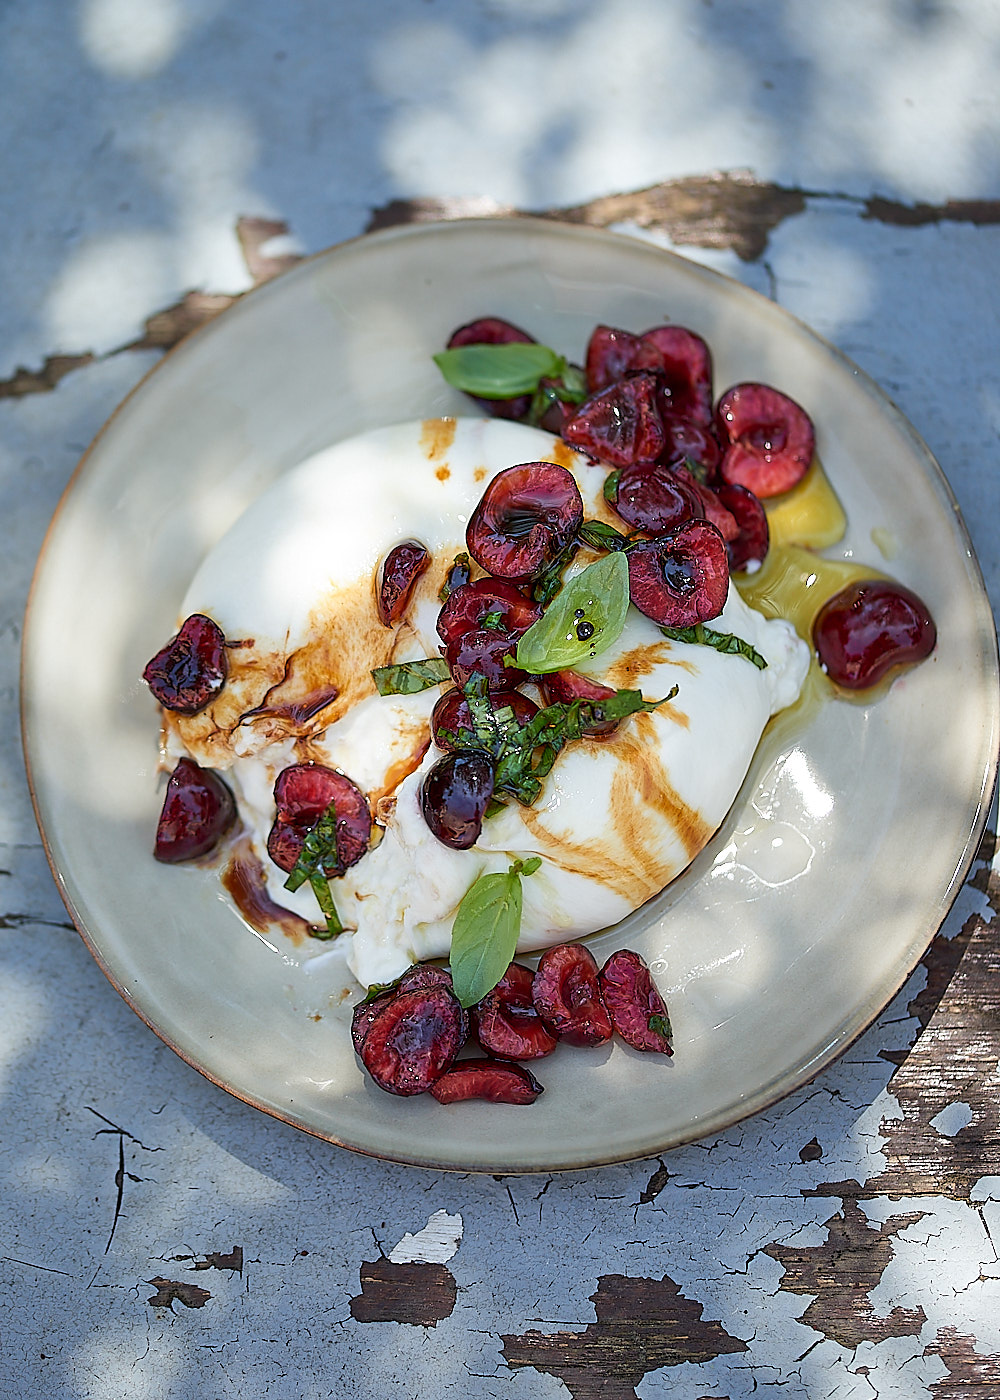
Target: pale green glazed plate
column 771, row 968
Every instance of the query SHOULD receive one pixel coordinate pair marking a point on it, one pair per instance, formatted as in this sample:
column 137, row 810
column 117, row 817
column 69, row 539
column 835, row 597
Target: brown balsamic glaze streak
column 633, row 862
column 436, row 436
column 244, row 878
column 399, row 770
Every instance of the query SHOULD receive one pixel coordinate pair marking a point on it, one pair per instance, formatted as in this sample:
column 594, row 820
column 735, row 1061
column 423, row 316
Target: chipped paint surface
column 159, row 1239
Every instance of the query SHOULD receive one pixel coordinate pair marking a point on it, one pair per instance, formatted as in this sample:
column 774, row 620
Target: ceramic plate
column 771, row 967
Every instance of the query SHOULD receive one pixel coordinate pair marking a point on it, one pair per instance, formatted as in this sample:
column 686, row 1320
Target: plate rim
column 779, row 1087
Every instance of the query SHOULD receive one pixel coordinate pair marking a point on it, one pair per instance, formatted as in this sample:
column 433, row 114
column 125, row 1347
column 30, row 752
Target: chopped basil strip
column 548, row 583
column 499, row 371
column 611, row 486
column 486, row 929
column 725, row 642
column 409, row 677
column 318, row 857
column 459, row 573
column 600, row 536
column 492, row 622
column 660, row 1025
column 585, row 619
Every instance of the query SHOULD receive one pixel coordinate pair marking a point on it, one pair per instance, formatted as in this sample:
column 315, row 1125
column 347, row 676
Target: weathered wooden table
column 161, row 1239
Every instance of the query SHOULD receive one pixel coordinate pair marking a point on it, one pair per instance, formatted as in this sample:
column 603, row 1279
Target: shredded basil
column 410, row 677
column 725, row 642
column 318, row 856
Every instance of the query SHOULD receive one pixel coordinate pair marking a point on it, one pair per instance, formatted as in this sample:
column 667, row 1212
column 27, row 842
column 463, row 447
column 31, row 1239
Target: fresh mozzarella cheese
column 292, row 586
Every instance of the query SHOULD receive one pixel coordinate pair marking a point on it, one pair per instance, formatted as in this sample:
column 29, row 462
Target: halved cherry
column 451, row 714
column 563, row 687
column 366, row 1013
column 681, row 578
column 454, row 796
column 684, row 363
column 468, row 605
column 198, row 810
column 652, row 497
column 712, row 508
column 485, row 653
column 506, row 1021
column 302, row 793
column 493, row 330
column 414, row 1040
column 751, row 544
column 635, row 1006
column 191, row 669
column 527, row 516
column 399, row 572
column 869, row 627
column 621, row 424
column 567, row 996
column 610, row 352
column 692, row 444
column 479, row 1077
column 770, row 439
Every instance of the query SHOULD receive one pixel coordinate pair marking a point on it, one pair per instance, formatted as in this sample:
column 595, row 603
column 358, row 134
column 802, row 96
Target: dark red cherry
column 413, row 1041
column 479, row 1077
column 563, row 687
column 681, row 578
column 485, row 653
column 770, row 439
column 198, row 810
column 610, row 353
column 454, row 796
column 191, row 669
column 526, row 518
column 635, row 1006
column 621, row 424
column 302, row 793
column 506, row 1021
column 451, row 714
column 692, row 444
column 567, row 996
column 654, row 498
column 468, row 605
column 751, row 544
column 683, row 362
column 493, row 330
column 869, row 627
column 713, row 509
column 399, row 572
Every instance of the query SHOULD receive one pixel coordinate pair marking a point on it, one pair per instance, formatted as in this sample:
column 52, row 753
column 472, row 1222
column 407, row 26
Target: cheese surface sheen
column 291, row 584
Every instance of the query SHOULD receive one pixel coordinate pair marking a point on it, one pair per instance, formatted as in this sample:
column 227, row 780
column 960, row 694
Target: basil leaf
column 499, row 371
column 324, row 898
column 574, row 385
column 601, row 536
column 485, row 932
column 549, row 581
column 611, row 486
column 725, row 642
column 583, row 621
column 459, row 573
column 409, row 677
column 660, row 1025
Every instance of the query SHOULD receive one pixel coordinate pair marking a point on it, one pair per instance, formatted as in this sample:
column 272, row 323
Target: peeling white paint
column 436, row 1243
column 952, row 1119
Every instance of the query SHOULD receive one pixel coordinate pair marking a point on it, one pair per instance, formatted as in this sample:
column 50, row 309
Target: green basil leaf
column 585, row 619
column 409, row 677
column 660, row 1025
column 324, row 898
column 485, row 932
column 601, row 536
column 484, row 935
column 574, row 385
column 725, row 642
column 611, row 486
column 499, row 371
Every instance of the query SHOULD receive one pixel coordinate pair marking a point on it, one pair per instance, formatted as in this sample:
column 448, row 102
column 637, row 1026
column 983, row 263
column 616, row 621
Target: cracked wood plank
column 419, row 1294
column 642, row 1325
column 971, row 1376
column 842, row 1272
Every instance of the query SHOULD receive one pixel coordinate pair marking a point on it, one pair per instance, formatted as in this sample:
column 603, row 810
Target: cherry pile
column 408, row 1036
